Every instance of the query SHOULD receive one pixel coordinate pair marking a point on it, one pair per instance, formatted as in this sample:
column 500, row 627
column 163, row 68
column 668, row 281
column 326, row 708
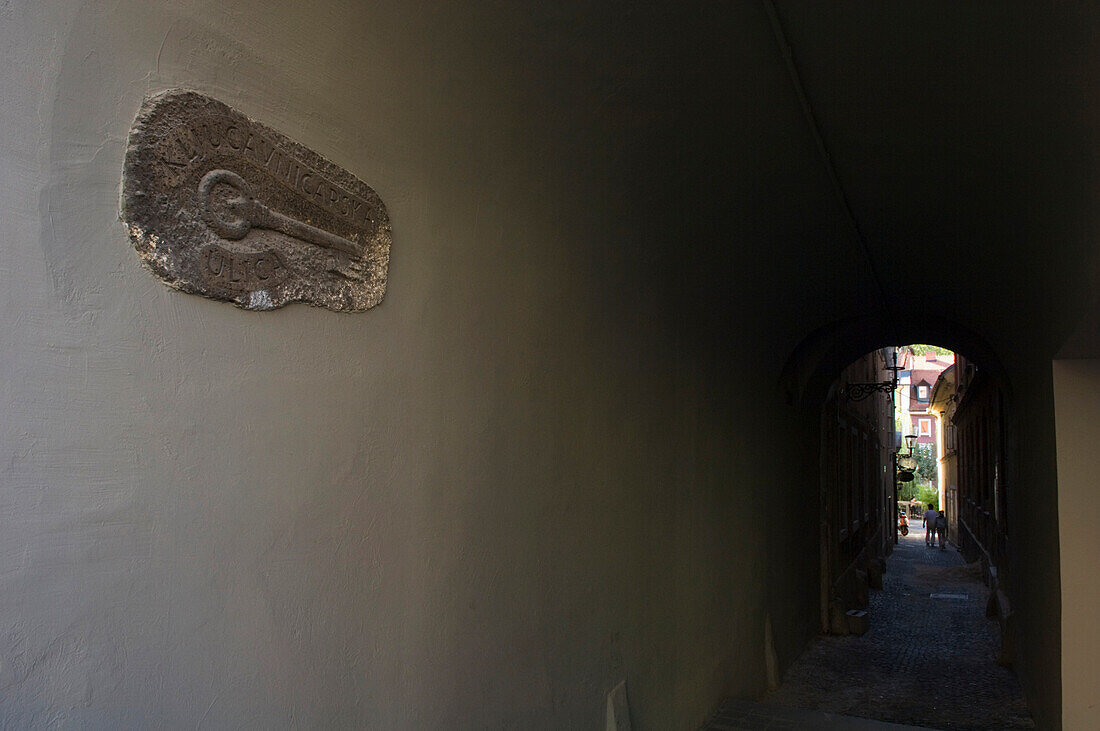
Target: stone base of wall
column 852, row 588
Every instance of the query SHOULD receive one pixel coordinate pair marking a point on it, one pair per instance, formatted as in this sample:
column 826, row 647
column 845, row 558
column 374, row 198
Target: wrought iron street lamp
column 907, row 464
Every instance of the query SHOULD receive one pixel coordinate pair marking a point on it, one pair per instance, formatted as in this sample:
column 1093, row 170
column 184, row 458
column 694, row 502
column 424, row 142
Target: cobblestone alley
column 924, row 661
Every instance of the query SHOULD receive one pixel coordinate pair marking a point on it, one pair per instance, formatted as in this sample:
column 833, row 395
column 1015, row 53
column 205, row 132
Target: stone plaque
column 220, row 205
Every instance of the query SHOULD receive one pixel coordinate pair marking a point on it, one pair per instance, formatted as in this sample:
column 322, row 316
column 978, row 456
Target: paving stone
column 924, row 661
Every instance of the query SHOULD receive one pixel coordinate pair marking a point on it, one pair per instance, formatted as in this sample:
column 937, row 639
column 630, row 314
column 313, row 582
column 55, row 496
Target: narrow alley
column 927, row 660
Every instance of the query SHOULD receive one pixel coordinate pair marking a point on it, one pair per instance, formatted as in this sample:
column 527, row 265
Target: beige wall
column 482, row 504
column 1077, row 403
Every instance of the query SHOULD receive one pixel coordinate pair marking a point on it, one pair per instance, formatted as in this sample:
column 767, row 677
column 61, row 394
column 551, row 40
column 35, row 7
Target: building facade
column 942, row 405
column 857, row 494
column 922, row 372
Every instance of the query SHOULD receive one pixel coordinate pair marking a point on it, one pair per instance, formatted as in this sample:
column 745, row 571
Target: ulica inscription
column 242, row 271
column 222, row 206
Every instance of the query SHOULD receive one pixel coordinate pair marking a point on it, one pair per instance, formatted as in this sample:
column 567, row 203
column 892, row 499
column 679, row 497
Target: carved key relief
column 222, row 206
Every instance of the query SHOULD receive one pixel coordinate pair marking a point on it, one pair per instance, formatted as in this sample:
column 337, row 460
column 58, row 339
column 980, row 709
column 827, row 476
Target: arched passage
column 818, row 360
column 855, row 447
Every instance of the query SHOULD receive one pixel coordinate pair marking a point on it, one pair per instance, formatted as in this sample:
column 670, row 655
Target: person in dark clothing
column 941, row 529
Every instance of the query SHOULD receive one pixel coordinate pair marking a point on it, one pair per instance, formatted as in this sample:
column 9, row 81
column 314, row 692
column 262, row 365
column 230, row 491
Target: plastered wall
column 1076, row 386
column 517, row 482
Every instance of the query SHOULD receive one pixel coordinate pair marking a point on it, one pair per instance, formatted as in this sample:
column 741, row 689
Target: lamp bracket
column 860, row 391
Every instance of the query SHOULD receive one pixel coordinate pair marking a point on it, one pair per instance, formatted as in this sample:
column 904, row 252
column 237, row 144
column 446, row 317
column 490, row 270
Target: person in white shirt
column 930, row 516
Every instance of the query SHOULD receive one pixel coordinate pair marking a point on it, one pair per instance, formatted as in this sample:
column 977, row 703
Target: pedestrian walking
column 941, row 529
column 930, row 517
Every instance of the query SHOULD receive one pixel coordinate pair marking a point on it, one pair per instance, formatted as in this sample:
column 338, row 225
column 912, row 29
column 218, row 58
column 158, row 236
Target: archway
column 858, row 463
column 818, row 360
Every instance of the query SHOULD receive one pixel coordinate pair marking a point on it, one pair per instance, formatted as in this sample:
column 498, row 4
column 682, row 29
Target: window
column 924, row 427
column 922, row 392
